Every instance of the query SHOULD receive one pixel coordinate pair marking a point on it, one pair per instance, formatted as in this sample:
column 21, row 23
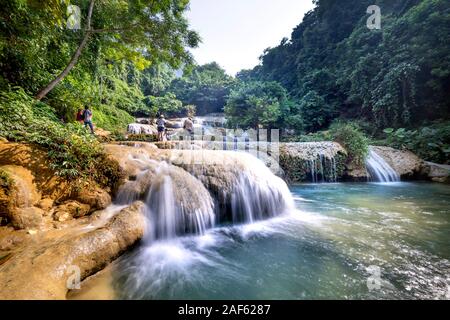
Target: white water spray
column 379, row 169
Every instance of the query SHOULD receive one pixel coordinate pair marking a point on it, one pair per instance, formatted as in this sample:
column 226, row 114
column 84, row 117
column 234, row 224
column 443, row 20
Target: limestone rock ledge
column 43, row 269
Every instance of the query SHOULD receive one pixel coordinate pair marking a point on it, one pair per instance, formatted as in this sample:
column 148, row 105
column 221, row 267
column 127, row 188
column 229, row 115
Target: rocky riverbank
column 49, row 229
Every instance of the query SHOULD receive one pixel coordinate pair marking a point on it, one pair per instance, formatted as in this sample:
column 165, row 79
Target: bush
column 431, row 143
column 350, row 136
column 111, row 118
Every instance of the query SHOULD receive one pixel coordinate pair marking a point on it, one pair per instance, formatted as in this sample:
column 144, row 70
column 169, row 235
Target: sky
column 235, row 32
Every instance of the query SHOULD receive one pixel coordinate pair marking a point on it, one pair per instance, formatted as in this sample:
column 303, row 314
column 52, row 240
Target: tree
column 167, row 104
column 143, row 32
column 335, row 67
column 255, row 104
column 315, row 112
column 207, row 87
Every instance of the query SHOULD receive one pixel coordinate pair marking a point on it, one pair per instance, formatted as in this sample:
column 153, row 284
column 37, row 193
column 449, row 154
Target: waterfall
column 379, row 170
column 137, row 128
column 176, row 203
column 322, row 169
column 244, row 188
column 258, row 193
column 169, row 213
column 185, row 198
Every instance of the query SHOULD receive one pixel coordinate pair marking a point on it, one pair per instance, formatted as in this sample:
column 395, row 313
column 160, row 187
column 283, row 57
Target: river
column 342, row 241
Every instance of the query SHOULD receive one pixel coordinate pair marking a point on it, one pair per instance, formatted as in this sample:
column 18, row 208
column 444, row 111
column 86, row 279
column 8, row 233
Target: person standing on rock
column 189, row 126
column 87, row 117
column 161, row 124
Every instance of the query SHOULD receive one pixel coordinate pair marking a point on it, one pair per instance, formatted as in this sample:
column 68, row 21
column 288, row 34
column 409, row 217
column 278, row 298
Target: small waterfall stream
column 322, row 169
column 379, row 170
column 180, row 201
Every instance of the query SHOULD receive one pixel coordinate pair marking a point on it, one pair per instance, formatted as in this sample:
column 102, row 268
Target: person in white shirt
column 161, row 124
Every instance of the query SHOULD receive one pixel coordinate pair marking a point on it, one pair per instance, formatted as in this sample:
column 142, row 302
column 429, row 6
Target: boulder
column 71, row 209
column 26, row 193
column 18, row 199
column 404, row 162
column 96, row 198
column 45, row 204
column 437, row 172
column 45, row 269
column 35, row 161
column 26, row 218
column 299, row 159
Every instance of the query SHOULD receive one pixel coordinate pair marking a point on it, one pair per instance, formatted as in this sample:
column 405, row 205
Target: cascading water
column 322, row 169
column 258, row 193
column 176, row 202
column 244, row 188
column 226, row 187
column 170, row 209
column 379, row 170
column 138, row 128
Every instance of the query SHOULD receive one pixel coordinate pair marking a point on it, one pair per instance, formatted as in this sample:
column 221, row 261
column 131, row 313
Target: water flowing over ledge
column 379, row 170
column 191, row 191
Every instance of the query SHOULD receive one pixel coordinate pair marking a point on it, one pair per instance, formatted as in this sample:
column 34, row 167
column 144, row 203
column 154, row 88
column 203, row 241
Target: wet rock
column 138, row 128
column 96, row 198
column 298, row 158
column 26, row 193
column 26, row 218
column 44, row 269
column 404, row 162
column 71, row 209
column 45, row 204
column 436, row 172
column 36, row 162
column 356, row 174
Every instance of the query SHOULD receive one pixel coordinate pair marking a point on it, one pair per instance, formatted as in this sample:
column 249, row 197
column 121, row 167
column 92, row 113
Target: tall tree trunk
column 41, row 94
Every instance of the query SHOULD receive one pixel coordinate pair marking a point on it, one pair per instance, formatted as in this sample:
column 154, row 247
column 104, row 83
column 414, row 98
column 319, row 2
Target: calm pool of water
column 344, row 241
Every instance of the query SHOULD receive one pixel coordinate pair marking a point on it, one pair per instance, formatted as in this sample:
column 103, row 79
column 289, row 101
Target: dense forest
column 131, row 58
column 394, row 82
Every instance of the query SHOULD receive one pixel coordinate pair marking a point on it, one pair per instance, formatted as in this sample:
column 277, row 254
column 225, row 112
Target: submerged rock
column 44, row 269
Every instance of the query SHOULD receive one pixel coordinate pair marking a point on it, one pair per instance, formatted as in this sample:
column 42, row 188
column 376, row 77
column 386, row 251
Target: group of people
column 85, row 117
column 161, row 125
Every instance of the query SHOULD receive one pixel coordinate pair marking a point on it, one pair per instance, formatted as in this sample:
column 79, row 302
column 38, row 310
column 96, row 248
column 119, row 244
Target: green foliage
column 315, row 111
column 335, row 67
column 255, row 104
column 110, row 118
column 73, row 152
column 350, row 136
column 167, row 104
column 207, row 87
column 431, row 143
